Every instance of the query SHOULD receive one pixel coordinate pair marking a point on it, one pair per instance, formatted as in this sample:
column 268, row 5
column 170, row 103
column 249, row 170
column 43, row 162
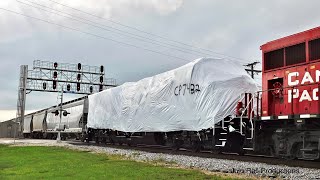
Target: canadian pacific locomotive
column 209, row 104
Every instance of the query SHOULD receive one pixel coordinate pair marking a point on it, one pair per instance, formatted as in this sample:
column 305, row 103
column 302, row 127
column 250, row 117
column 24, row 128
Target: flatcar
column 283, row 119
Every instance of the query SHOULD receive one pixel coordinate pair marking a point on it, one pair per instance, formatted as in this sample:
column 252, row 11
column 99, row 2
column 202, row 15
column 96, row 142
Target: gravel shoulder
column 228, row 168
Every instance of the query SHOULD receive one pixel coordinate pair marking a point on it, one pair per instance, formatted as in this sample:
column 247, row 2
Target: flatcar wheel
column 241, row 152
column 97, row 140
column 271, row 151
column 217, row 151
column 176, row 145
column 112, row 141
column 82, row 138
column 196, row 147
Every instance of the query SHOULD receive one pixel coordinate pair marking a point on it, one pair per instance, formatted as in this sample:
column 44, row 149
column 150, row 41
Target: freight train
column 209, row 104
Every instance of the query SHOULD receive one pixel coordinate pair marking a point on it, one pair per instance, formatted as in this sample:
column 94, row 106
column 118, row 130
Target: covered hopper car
column 46, row 123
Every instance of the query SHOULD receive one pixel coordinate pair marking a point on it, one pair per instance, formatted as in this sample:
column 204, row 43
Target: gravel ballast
column 252, row 169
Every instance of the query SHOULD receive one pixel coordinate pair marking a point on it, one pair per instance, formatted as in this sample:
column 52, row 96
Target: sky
column 135, row 39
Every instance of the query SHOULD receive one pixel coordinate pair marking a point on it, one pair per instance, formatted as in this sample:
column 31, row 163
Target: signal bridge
column 46, row 76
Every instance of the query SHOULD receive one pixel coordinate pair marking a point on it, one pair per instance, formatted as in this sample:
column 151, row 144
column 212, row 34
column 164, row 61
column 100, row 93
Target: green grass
column 61, row 163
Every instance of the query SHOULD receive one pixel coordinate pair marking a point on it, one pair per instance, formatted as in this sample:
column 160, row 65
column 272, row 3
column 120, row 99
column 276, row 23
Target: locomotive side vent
column 296, row 54
column 274, row 59
column 314, row 49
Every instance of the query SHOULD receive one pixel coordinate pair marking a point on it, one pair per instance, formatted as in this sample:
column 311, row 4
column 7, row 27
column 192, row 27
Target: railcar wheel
column 271, row 151
column 159, row 138
column 196, row 146
column 295, row 152
column 82, row 138
column 97, row 140
column 177, row 144
column 241, row 152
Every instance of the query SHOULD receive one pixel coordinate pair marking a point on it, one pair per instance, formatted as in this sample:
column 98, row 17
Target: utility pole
column 59, row 129
column 251, row 69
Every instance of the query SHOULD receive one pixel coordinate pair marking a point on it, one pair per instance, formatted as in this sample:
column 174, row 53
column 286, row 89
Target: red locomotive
column 289, row 123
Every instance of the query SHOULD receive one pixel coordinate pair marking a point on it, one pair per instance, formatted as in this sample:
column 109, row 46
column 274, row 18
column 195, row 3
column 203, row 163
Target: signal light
column 65, row 113
column 68, row 87
column 79, row 66
column 54, row 85
column 100, row 87
column 55, row 65
column 55, row 74
column 78, row 86
column 44, row 85
column 78, row 77
column 101, row 79
column 56, row 112
column 91, row 89
column 101, row 69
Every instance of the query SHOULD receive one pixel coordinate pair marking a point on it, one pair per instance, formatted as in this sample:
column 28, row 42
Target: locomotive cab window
column 273, row 59
column 314, row 49
column 295, row 54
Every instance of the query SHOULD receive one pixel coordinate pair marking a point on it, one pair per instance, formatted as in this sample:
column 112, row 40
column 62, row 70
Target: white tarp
column 38, row 121
column 192, row 97
column 27, row 124
column 71, row 120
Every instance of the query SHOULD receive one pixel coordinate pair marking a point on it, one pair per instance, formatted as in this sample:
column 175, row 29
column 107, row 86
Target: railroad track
column 209, row 154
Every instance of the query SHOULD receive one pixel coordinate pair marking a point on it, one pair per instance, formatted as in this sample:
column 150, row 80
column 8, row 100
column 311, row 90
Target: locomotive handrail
column 251, row 122
column 244, row 112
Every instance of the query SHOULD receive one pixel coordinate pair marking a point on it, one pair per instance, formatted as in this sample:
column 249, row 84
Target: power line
column 95, row 35
column 145, row 32
column 141, row 38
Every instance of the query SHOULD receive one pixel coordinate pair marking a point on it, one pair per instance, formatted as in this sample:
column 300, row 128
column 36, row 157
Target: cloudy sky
column 134, row 39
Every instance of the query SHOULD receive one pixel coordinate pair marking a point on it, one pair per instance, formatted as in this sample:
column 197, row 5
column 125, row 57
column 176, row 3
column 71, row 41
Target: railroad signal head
column 101, row 79
column 78, row 86
column 101, row 69
column 44, row 85
column 91, row 89
column 54, row 85
column 56, row 112
column 55, row 74
column 100, row 87
column 78, row 77
column 55, row 65
column 79, row 66
column 68, row 87
column 65, row 113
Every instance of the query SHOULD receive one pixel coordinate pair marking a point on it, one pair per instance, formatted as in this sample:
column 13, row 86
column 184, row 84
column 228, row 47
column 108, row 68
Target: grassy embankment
column 55, row 162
